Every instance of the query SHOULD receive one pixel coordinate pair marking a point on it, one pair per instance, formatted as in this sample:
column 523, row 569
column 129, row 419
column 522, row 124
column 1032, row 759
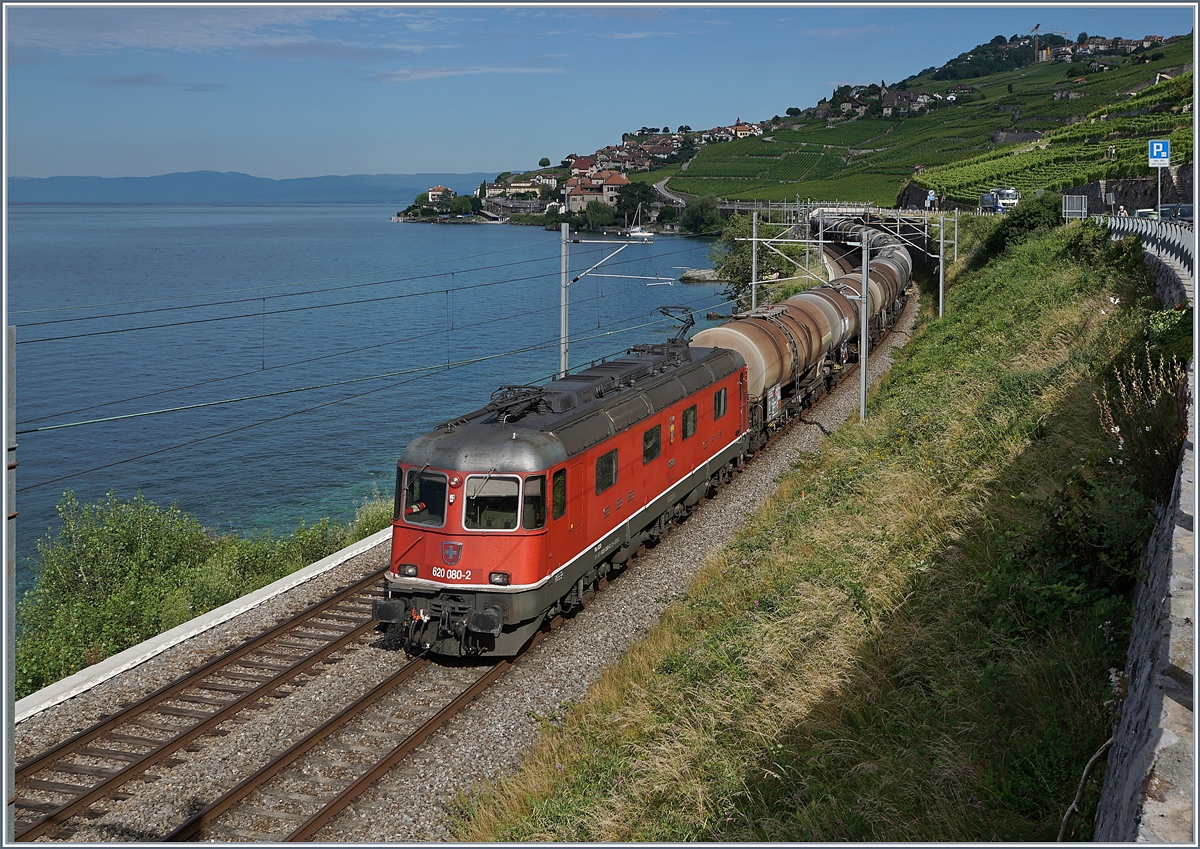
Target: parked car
column 1145, row 213
column 1181, row 212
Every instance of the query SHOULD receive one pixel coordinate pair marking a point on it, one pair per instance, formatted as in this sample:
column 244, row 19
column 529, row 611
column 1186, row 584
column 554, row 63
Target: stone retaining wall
column 1138, row 192
column 1150, row 779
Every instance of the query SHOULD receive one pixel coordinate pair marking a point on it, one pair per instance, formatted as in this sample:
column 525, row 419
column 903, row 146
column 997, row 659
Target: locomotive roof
column 527, row 428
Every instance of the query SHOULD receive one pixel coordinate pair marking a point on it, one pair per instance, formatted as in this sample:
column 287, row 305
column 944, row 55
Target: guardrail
column 1176, row 241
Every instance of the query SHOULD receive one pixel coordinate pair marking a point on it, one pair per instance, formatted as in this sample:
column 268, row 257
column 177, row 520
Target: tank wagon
column 515, row 512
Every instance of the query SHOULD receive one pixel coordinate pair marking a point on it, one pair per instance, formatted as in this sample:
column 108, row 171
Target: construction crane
column 1034, row 33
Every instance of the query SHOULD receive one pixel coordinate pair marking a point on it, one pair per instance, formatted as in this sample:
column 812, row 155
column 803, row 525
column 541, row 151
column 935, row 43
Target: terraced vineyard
column 1107, row 143
column 1098, row 127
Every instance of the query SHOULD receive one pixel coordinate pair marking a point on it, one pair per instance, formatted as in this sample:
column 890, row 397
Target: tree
column 702, row 216
column 1010, row 88
column 598, row 214
column 732, row 258
column 793, row 111
column 422, row 199
column 667, row 214
column 462, row 205
column 544, row 162
column 1081, row 38
column 631, row 194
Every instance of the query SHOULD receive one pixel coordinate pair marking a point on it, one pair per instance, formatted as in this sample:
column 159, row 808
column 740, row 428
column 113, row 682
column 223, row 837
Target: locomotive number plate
column 452, row 574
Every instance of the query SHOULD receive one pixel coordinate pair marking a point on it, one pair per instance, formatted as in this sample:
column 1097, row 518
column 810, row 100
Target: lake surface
column 128, row 309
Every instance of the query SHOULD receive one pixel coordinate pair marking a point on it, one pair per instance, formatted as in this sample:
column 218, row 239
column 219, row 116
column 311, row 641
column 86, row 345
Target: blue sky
column 306, row 90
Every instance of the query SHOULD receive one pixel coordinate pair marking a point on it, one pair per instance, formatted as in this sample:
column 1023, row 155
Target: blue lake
column 127, row 309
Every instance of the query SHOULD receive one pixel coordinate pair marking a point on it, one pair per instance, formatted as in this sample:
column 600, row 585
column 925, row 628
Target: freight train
column 513, row 514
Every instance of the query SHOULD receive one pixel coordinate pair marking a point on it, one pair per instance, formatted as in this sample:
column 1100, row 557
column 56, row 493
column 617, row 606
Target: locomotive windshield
column 424, row 500
column 491, row 503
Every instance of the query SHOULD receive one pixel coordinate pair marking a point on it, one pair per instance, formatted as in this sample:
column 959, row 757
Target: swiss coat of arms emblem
column 451, row 552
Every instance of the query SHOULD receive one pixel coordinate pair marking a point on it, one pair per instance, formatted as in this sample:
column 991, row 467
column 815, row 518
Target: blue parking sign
column 1160, row 153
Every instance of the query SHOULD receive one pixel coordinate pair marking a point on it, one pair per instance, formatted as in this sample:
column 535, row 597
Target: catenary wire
column 267, row 285
column 263, row 314
column 198, row 384
column 278, row 418
column 293, row 390
column 259, row 298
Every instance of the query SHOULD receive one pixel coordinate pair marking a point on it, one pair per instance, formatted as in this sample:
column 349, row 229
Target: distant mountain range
column 234, row 187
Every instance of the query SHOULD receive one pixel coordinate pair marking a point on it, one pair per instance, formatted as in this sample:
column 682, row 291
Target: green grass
column 911, row 640
column 124, row 570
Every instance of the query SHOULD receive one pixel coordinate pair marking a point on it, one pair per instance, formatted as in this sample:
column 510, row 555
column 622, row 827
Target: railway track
column 75, row 777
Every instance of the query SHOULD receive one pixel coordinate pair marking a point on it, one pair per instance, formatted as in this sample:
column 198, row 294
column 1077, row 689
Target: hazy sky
column 306, row 90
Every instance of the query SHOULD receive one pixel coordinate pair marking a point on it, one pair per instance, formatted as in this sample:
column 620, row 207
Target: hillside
column 1074, row 126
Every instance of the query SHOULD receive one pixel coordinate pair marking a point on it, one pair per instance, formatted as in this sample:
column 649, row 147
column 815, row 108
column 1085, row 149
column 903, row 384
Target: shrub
column 123, row 570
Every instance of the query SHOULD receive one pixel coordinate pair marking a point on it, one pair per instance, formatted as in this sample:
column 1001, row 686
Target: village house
column 440, row 193
column 583, row 166
column 854, row 105
column 741, row 131
column 903, row 102
column 601, row 186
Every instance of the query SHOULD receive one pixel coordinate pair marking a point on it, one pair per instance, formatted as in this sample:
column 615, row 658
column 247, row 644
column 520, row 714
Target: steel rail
column 318, row 820
column 140, row 762
column 248, row 785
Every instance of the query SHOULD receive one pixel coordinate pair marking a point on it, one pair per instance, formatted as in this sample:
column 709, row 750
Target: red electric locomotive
column 514, row 512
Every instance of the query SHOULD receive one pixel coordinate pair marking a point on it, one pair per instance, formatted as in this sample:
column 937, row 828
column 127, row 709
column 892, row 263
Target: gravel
column 485, row 741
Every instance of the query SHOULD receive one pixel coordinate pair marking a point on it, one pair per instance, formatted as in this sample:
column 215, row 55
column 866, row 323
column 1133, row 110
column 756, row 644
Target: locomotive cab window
column 689, row 421
column 719, row 404
column 558, row 494
column 491, row 503
column 424, row 498
column 606, row 471
column 533, row 503
column 651, row 444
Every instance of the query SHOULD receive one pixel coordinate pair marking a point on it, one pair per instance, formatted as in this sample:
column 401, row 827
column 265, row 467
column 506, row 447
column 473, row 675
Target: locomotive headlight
column 408, row 570
column 500, row 579
column 455, row 481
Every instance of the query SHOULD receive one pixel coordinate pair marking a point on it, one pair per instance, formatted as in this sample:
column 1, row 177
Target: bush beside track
column 122, row 571
column 913, row 641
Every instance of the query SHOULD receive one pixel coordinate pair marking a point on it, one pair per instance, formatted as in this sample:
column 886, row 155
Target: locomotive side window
column 424, row 498
column 719, row 404
column 606, row 471
column 558, row 493
column 491, row 503
column 651, row 444
column 533, row 505
column 689, row 421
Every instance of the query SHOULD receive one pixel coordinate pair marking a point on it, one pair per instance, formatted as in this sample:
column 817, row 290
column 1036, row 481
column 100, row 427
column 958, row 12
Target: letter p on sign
column 1160, row 153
